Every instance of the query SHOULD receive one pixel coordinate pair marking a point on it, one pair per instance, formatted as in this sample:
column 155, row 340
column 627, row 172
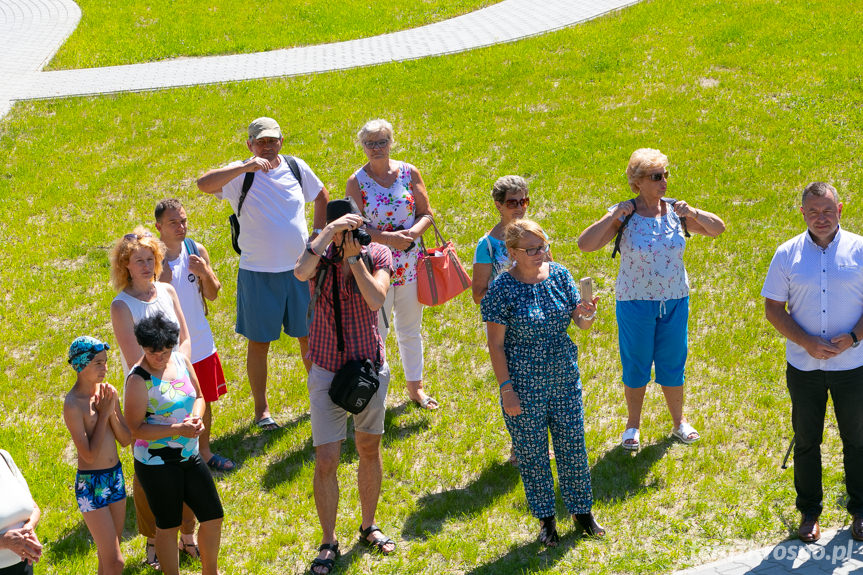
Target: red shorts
column 210, row 377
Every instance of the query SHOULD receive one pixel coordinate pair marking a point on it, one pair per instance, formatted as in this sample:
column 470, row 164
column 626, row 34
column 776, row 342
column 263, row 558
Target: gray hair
column 819, row 189
column 375, row 127
column 506, row 184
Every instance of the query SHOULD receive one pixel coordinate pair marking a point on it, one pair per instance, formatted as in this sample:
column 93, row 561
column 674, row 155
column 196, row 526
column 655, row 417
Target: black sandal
column 327, row 564
column 548, row 531
column 377, row 543
column 589, row 524
column 154, row 562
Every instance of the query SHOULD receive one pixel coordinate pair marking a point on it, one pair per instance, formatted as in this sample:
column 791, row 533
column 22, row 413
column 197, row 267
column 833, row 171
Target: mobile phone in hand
column 585, row 286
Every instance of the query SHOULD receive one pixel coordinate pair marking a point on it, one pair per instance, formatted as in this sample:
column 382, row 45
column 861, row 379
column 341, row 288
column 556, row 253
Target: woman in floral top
column 164, row 406
column 652, row 288
column 393, row 197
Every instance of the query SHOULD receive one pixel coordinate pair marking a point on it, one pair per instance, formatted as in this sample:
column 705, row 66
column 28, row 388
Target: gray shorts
column 330, row 422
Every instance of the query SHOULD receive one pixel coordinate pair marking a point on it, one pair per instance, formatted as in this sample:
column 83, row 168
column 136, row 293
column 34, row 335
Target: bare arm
column 319, row 219
column 583, row 311
column 124, row 331
column 495, row 336
column 308, row 263
column 87, row 445
column 421, row 205
column 200, row 266
column 117, row 421
column 699, row 221
column 603, row 230
column 480, row 281
column 185, row 344
column 23, row 541
column 213, row 181
column 373, row 286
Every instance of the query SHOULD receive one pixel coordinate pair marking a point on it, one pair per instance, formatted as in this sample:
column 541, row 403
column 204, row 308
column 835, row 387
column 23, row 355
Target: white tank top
column 143, row 309
column 186, row 285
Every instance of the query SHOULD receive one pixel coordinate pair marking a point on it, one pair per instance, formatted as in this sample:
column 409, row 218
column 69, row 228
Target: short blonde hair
column 506, row 184
column 517, row 229
column 642, row 161
column 375, row 127
column 123, row 250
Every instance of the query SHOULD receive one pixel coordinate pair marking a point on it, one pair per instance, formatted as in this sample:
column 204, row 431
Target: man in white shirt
column 193, row 279
column 814, row 297
column 273, row 235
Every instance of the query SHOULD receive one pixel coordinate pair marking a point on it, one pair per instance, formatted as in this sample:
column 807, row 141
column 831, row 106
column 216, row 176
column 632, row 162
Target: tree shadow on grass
column 435, row 509
column 287, row 467
column 619, row 473
column 529, row 557
column 250, row 441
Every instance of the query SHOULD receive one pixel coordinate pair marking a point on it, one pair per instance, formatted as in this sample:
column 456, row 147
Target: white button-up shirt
column 823, row 289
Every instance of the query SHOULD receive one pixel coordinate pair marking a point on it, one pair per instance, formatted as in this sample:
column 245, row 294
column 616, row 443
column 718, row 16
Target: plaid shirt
column 359, row 323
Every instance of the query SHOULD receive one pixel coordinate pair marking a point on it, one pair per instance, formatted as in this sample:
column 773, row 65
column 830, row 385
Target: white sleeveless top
column 16, row 504
column 143, row 309
column 186, row 285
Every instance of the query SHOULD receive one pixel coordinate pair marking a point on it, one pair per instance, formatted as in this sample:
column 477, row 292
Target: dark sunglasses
column 543, row 249
column 658, row 176
column 377, row 145
column 513, row 204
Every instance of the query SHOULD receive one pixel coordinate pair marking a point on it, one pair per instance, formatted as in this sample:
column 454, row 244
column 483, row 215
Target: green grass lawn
column 751, row 100
column 130, row 31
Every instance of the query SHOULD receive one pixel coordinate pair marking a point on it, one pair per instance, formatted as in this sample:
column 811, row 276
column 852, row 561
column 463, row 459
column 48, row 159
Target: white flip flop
column 630, row 434
column 684, row 431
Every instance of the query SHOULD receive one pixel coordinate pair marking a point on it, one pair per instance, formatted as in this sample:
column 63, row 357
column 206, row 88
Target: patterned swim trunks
column 98, row 488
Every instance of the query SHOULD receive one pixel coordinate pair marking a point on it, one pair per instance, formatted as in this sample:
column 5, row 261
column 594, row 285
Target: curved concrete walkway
column 32, row 30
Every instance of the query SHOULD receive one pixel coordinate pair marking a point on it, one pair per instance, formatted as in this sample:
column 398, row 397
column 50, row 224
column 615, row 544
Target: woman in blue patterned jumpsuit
column 528, row 310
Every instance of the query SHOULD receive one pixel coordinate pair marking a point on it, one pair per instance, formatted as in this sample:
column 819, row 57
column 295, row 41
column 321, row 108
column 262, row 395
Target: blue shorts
column 98, row 488
column 266, row 302
column 653, row 333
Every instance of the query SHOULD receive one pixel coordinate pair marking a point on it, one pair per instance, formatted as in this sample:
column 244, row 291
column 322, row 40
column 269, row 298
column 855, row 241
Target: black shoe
column 548, row 531
column 589, row 524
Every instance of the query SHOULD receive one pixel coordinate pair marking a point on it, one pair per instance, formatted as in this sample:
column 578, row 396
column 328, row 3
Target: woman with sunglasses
column 652, row 288
column 393, row 197
column 136, row 262
column 528, row 310
column 491, row 258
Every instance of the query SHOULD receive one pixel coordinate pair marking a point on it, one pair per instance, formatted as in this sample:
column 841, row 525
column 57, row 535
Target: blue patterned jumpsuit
column 542, row 362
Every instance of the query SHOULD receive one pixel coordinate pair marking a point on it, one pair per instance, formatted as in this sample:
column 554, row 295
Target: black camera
column 362, row 236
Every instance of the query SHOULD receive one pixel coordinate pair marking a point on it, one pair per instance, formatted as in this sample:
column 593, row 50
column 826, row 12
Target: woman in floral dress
column 393, row 197
column 652, row 289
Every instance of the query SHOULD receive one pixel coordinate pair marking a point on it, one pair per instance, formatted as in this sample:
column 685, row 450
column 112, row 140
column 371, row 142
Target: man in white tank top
column 194, row 280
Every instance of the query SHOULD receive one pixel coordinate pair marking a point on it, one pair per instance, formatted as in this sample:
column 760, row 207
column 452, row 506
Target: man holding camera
column 273, row 235
column 350, row 282
column 813, row 295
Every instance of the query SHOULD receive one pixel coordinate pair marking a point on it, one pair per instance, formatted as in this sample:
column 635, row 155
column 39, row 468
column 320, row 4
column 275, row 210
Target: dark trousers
column 809, row 391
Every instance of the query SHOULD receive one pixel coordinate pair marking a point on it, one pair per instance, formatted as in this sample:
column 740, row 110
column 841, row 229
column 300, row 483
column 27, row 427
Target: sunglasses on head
column 543, row 249
column 658, row 176
column 513, row 204
column 137, row 237
column 377, row 144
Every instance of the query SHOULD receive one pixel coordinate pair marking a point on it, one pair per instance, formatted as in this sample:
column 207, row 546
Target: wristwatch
column 854, row 338
column 354, row 259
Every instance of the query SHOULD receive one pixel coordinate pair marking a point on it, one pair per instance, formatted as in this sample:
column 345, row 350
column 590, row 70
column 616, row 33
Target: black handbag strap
column 619, row 236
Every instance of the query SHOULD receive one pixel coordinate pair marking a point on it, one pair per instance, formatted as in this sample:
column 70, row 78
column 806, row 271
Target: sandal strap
column 369, row 530
column 334, row 547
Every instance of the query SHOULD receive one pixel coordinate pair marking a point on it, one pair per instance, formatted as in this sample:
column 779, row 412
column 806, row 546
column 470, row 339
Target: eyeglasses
column 377, row 144
column 658, row 176
column 543, row 249
column 137, row 237
column 513, row 204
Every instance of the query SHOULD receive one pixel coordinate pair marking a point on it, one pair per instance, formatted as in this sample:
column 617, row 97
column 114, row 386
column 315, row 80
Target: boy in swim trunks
column 92, row 414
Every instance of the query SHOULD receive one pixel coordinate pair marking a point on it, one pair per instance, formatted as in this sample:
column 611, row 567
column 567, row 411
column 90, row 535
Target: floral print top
column 651, row 259
column 168, row 402
column 392, row 209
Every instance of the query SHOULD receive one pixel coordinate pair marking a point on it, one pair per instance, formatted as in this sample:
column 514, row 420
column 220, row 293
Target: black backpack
column 234, row 219
column 617, row 238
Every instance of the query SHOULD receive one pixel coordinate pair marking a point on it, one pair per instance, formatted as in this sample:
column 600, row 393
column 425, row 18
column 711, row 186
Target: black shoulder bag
column 234, row 219
column 617, row 238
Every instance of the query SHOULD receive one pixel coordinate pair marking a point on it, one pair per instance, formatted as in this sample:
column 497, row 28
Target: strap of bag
column 619, row 236
column 250, row 178
column 438, row 237
column 192, row 249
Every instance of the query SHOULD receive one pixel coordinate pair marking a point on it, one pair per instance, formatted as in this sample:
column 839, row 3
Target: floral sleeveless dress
column 391, row 209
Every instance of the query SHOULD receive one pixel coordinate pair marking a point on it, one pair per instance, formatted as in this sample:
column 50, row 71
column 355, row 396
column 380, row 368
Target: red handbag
column 440, row 275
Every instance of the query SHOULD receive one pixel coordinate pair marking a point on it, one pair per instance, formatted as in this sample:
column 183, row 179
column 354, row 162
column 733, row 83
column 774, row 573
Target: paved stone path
column 834, row 553
column 38, row 27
